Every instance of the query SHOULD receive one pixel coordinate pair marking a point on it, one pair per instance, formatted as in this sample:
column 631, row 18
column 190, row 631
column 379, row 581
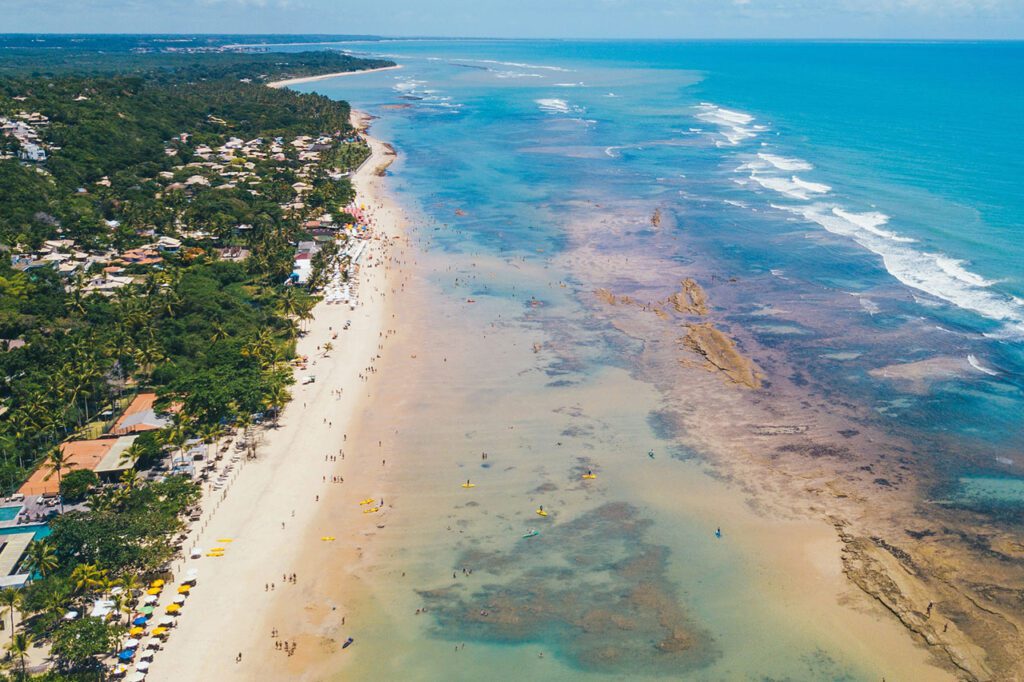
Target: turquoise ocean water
column 884, row 175
column 862, row 199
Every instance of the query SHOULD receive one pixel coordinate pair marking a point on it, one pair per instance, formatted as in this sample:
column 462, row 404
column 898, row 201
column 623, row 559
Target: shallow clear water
column 852, row 207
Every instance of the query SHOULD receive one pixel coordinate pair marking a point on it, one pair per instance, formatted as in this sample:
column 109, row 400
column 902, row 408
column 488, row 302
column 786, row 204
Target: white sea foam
column 872, row 221
column 794, row 187
column 557, row 106
column 976, row 364
column 521, row 65
column 785, row 164
column 734, row 126
column 514, row 74
column 812, row 187
column 935, row 274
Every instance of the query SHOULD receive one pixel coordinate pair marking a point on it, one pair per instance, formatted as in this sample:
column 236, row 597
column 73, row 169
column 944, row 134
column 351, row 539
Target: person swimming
column 718, row 532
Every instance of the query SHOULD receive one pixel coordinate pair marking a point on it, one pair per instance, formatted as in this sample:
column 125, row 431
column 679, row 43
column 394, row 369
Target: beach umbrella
column 141, row 620
column 126, row 655
column 157, row 583
column 159, row 632
column 136, row 631
column 146, row 609
column 71, row 615
column 153, row 591
column 149, row 599
column 146, row 655
column 173, row 608
column 142, row 666
column 152, row 644
column 137, row 677
column 180, row 599
column 120, row 670
column 131, row 643
column 184, row 589
column 166, row 622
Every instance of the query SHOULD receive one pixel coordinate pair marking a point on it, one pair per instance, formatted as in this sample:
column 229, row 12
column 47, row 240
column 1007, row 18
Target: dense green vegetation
column 134, row 153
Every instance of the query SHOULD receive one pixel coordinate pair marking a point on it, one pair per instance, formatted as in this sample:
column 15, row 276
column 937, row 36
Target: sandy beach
column 325, row 76
column 269, row 510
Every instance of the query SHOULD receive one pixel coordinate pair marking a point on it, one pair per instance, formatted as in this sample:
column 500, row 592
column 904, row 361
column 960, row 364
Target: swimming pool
column 41, row 530
column 9, row 513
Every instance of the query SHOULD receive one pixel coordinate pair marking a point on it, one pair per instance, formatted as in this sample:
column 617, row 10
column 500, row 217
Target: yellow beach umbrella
column 184, row 589
column 173, row 608
column 153, row 590
column 159, row 632
column 136, row 631
column 157, row 583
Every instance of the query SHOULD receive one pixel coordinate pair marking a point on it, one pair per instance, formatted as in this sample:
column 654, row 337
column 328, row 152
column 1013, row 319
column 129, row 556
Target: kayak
column 590, row 476
column 328, row 538
column 533, row 532
column 371, row 510
column 347, row 643
column 541, row 512
column 368, row 500
column 469, row 485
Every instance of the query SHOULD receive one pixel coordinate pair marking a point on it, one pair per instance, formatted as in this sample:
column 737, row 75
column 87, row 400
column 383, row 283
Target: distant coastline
column 324, row 76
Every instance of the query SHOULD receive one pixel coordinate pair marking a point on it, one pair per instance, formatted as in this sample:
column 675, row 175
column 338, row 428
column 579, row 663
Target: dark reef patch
column 592, row 589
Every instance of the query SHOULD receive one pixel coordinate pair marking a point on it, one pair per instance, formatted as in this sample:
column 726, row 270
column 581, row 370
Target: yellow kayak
column 224, row 540
column 215, row 554
column 541, row 512
column 368, row 500
column 469, row 485
column 371, row 510
column 590, row 476
column 219, row 550
column 328, row 538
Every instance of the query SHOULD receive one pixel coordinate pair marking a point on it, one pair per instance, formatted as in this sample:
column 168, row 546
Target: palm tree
column 41, row 557
column 328, row 347
column 10, row 600
column 58, row 463
column 277, row 395
column 86, row 578
column 19, row 646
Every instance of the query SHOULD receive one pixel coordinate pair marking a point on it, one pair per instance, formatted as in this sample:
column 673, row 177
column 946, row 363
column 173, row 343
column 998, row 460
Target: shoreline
column 270, row 515
column 324, row 76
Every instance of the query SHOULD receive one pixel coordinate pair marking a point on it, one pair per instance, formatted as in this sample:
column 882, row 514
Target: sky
column 879, row 19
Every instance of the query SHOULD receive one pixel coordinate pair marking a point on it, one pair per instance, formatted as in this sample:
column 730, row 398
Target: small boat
column 368, row 500
column 590, row 476
column 327, row 538
column 533, row 532
column 470, row 300
column 371, row 510
column 348, row 643
column 541, row 512
column 467, row 484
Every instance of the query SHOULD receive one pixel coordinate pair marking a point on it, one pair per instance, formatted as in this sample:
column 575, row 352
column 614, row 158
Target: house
column 104, row 456
column 168, row 244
